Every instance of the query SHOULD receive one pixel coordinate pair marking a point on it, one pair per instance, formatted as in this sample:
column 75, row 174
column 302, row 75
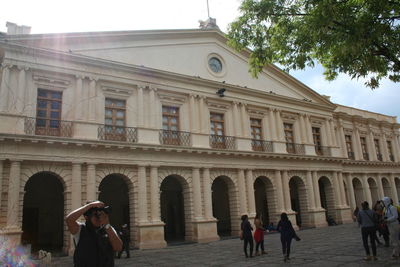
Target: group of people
column 384, row 219
column 284, row 227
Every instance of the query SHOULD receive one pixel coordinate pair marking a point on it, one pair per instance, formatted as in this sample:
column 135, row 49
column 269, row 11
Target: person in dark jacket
column 247, row 235
column 367, row 219
column 287, row 234
column 95, row 240
column 125, row 237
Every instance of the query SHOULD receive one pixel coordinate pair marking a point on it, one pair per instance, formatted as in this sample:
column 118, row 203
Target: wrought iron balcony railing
column 261, row 145
column 117, row 133
column 48, row 127
column 293, row 148
column 323, row 150
column 365, row 156
column 379, row 156
column 351, row 155
column 222, row 142
column 391, row 157
column 175, row 138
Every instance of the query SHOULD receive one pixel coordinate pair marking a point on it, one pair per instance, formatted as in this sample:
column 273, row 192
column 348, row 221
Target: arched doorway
column 358, row 192
column 172, row 209
column 386, row 188
column 374, row 191
column 43, row 212
column 221, row 205
column 298, row 198
column 264, row 197
column 327, row 197
column 114, row 192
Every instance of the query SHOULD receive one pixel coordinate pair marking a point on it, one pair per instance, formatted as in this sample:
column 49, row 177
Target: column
column 310, row 189
column 154, row 195
column 5, row 88
column 236, row 121
column 371, row 145
column 242, row 192
column 317, row 194
column 352, row 198
column 76, row 186
column 142, row 194
column 342, row 191
column 333, row 132
column 303, row 133
column 393, row 188
column 92, row 99
column 396, row 147
column 272, row 125
column 152, row 111
column 245, row 121
column 192, row 109
column 279, row 126
column 366, row 190
column 336, row 190
column 202, row 117
column 207, row 194
column 286, row 191
column 78, row 98
column 279, row 192
column 384, row 149
column 342, row 140
column 13, row 195
column 20, row 95
column 380, row 186
column 328, row 133
column 91, row 182
column 309, row 129
column 1, row 180
column 198, row 212
column 250, row 193
column 357, row 145
column 139, row 113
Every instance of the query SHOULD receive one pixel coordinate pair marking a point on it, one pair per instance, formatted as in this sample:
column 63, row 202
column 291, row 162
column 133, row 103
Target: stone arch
column 397, row 185
column 327, row 197
column 299, row 201
column 387, row 192
column 358, row 191
column 373, row 187
column 176, row 200
column 265, row 199
column 43, row 212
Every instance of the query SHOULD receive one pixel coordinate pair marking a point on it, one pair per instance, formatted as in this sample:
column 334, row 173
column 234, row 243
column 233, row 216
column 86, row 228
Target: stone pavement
column 331, row 246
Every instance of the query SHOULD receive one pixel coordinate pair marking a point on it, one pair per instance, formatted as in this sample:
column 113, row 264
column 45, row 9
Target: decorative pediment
column 50, row 81
column 171, row 98
column 218, row 105
column 116, row 90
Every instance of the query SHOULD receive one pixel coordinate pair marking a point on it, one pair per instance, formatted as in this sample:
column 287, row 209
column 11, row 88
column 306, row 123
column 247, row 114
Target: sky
column 51, row 16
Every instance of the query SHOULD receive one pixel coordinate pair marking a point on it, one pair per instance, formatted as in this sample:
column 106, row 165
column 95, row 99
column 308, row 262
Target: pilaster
column 142, row 194
column 92, row 100
column 286, row 191
column 393, row 188
column 76, row 186
column 250, row 194
column 91, row 182
column 5, row 88
column 350, row 188
column 242, row 192
column 366, row 190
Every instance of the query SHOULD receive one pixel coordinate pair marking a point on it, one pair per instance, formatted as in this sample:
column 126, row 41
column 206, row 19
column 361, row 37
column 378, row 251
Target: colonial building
column 169, row 128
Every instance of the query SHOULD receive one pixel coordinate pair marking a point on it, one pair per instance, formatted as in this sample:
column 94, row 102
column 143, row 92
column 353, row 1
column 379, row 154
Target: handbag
column 241, row 235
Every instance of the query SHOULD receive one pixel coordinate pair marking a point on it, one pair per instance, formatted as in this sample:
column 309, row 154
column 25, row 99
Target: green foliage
column 358, row 37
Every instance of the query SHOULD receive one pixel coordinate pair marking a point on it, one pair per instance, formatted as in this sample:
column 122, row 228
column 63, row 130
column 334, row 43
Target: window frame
column 48, row 119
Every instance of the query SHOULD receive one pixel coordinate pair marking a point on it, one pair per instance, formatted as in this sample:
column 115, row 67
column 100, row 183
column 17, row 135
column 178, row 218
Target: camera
column 97, row 211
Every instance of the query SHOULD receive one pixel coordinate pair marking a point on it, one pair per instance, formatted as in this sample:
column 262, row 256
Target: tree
column 358, row 37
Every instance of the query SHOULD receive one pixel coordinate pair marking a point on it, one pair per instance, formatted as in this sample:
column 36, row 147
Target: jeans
column 369, row 232
column 248, row 241
column 286, row 241
column 261, row 243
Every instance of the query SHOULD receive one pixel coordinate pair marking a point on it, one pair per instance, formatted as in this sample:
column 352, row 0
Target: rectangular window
column 349, row 146
column 256, row 134
column 289, row 136
column 390, row 151
column 317, row 140
column 217, row 124
column 48, row 112
column 364, row 149
column 114, row 120
column 378, row 150
column 170, row 119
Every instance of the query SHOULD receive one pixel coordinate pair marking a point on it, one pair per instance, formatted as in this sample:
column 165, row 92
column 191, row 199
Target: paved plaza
column 331, row 246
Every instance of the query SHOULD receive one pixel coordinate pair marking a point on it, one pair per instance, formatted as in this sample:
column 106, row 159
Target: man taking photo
column 95, row 240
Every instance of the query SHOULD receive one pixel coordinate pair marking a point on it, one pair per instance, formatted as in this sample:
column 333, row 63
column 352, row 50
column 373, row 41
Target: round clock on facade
column 215, row 64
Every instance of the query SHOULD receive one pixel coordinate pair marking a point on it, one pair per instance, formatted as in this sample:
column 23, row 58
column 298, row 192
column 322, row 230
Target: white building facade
column 169, row 129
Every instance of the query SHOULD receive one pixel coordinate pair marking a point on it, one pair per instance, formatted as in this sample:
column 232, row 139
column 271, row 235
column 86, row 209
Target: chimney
column 13, row 29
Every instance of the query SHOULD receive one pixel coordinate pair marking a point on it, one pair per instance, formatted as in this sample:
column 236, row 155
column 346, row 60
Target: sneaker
column 368, row 258
column 374, row 258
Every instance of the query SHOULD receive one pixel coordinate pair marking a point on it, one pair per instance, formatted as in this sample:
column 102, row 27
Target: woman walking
column 287, row 234
column 367, row 219
column 259, row 235
column 247, row 235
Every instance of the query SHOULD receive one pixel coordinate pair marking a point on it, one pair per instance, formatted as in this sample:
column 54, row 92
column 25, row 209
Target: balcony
column 391, row 157
column 261, row 145
column 365, row 156
column 117, row 133
column 379, row 156
column 351, row 155
column 174, row 138
column 293, row 148
column 323, row 151
column 48, row 127
column 222, row 142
